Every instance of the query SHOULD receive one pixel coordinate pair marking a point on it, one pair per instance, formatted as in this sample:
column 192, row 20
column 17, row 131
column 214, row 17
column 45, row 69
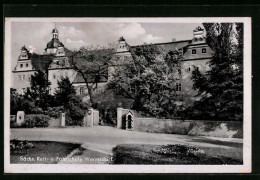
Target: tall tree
column 91, row 63
column 149, row 79
column 39, row 90
column 63, row 92
column 221, row 88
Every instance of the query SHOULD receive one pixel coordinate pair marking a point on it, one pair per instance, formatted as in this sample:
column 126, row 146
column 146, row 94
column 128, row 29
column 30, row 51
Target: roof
column 198, row 29
column 121, row 39
column 41, row 62
column 55, row 30
column 54, row 43
column 171, row 46
column 92, row 78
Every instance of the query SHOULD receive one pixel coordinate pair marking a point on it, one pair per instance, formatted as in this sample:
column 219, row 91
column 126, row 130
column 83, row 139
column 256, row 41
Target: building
column 196, row 54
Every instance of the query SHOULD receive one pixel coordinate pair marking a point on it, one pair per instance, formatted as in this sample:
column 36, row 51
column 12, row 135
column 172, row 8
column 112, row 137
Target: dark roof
column 55, row 30
column 24, row 48
column 93, row 78
column 41, row 62
column 121, row 39
column 198, row 29
column 171, row 46
column 54, row 43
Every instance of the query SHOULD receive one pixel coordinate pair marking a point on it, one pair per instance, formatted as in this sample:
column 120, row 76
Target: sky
column 36, row 35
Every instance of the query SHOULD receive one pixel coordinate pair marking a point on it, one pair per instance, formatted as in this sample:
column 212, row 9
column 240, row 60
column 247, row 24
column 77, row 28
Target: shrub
column 54, row 111
column 20, row 145
column 35, row 120
column 178, row 150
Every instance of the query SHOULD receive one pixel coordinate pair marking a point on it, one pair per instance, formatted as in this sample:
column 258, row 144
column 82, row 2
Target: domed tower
column 55, row 46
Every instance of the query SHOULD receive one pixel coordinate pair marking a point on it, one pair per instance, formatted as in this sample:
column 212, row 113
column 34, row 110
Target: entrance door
column 129, row 122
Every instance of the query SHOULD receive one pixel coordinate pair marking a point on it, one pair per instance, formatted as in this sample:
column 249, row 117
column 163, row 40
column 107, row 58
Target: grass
column 43, row 152
column 146, row 154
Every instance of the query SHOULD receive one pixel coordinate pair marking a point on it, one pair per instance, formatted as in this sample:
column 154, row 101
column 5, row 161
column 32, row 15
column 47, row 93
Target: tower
column 198, row 35
column 55, row 33
column 55, row 46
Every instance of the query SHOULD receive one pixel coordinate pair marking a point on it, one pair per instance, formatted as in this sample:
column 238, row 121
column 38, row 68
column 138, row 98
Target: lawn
column 42, row 152
column 176, row 155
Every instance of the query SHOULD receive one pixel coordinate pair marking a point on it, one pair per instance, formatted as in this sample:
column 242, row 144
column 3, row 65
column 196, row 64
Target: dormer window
column 193, row 51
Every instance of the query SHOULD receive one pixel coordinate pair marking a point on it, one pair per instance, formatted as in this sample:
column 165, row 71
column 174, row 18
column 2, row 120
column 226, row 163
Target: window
column 189, row 69
column 21, row 65
column 193, row 51
column 19, row 77
column 27, row 65
column 204, row 50
column 81, row 90
column 197, row 68
column 178, row 87
column 54, row 76
column 23, row 77
column 57, row 62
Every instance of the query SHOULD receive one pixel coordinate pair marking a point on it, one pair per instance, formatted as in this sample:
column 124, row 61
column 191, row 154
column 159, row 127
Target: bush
column 178, row 150
column 75, row 110
column 54, row 111
column 35, row 120
column 20, row 145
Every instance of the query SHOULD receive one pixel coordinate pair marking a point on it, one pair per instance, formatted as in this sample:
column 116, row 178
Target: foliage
column 20, row 145
column 66, row 97
column 21, row 103
column 178, row 150
column 76, row 109
column 171, row 154
column 54, row 112
column 91, row 63
column 107, row 103
column 221, row 88
column 39, row 90
column 35, row 120
column 65, row 88
column 150, row 79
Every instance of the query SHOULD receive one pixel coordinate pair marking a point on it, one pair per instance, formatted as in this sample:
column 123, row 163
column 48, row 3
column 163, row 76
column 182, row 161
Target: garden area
column 39, row 152
column 174, row 155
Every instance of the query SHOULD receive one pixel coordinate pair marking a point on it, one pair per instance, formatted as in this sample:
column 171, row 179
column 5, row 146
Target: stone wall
column 225, row 129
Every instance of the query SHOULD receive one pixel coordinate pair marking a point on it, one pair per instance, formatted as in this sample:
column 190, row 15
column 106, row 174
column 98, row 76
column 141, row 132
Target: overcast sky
column 36, row 35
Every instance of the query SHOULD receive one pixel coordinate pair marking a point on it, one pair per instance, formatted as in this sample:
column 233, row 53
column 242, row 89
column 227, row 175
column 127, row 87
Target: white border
column 82, row 168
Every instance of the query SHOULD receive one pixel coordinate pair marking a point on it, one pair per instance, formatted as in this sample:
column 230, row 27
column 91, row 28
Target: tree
column 221, row 88
column 150, row 80
column 20, row 103
column 91, row 63
column 39, row 90
column 65, row 89
column 66, row 96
